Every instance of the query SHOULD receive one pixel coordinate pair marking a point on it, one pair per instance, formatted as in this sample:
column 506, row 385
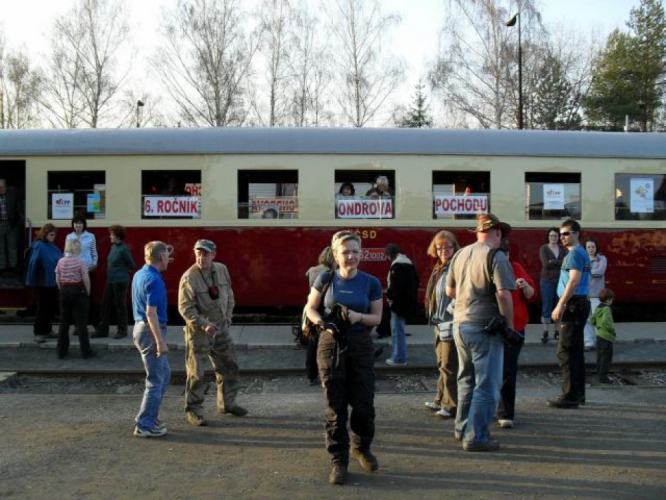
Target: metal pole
column 520, row 79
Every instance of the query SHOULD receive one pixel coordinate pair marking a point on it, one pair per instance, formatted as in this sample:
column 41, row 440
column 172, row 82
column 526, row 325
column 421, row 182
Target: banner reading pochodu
column 455, row 205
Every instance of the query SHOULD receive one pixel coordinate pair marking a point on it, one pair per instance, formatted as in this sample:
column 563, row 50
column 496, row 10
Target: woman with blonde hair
column 345, row 355
column 74, row 285
column 439, row 310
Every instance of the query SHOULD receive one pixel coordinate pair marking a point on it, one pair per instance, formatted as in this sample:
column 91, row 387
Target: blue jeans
column 158, row 374
column 398, row 338
column 479, row 378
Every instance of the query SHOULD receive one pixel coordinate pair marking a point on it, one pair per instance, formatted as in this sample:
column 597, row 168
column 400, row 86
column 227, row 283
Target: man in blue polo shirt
column 149, row 305
column 572, row 309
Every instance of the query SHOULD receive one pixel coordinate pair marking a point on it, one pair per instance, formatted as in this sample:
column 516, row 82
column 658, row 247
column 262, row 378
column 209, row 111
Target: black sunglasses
column 566, row 233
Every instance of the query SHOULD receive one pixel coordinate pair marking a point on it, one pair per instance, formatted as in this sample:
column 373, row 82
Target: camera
column 213, row 292
column 499, row 326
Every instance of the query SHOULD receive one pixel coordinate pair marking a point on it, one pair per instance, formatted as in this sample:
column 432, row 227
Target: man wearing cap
column 206, row 303
column 480, row 353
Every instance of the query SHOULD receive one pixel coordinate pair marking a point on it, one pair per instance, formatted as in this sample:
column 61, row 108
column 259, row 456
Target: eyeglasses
column 448, row 247
column 566, row 233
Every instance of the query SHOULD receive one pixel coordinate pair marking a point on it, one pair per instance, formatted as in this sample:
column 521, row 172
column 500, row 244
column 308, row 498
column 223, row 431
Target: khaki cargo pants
column 220, row 351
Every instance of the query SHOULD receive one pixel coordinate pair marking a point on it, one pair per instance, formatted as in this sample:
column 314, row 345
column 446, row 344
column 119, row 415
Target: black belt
column 578, row 298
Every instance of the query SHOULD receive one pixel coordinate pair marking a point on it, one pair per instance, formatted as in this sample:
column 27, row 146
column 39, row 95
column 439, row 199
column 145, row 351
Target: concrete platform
column 266, row 348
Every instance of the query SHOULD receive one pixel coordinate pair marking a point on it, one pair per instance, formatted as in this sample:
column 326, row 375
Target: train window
column 81, row 193
column 173, row 194
column 364, row 194
column 640, row 197
column 268, row 194
column 552, row 196
column 460, row 195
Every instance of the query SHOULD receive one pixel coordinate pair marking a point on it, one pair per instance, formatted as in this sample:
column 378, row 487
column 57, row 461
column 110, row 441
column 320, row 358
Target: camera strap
column 212, row 277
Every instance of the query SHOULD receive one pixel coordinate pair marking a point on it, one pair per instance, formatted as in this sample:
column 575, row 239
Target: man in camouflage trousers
column 206, row 303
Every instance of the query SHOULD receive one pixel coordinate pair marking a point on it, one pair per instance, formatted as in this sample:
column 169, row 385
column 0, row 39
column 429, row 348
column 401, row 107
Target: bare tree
column 20, row 88
column 311, row 77
column 473, row 70
column 366, row 77
column 206, row 62
column 83, row 80
column 275, row 16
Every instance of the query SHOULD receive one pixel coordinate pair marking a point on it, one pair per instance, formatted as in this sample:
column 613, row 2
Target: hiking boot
column 490, row 445
column 367, row 460
column 150, row 433
column 196, row 420
column 237, row 411
column 563, row 402
column 338, row 474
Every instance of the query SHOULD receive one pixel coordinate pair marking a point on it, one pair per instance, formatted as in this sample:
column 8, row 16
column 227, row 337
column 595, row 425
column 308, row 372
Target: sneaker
column 196, row 420
column 40, row 339
column 432, row 405
column 237, row 411
column 506, row 423
column 563, row 402
column 338, row 474
column 367, row 460
column 442, row 413
column 490, row 445
column 605, row 380
column 160, row 425
column 556, row 336
column 312, row 381
column 120, row 335
column 52, row 335
column 544, row 338
column 390, row 362
column 155, row 432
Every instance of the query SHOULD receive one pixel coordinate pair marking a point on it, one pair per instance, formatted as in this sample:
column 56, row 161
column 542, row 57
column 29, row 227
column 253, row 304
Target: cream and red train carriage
column 271, row 198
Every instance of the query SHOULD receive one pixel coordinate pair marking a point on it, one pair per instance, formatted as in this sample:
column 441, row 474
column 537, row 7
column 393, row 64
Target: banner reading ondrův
column 461, row 205
column 172, row 206
column 362, row 208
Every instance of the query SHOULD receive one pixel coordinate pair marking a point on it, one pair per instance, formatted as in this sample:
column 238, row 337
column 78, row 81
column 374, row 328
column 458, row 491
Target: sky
column 26, row 24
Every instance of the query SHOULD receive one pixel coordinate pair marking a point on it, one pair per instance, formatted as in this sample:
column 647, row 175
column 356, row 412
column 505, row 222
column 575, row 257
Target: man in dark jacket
column 8, row 227
column 402, row 295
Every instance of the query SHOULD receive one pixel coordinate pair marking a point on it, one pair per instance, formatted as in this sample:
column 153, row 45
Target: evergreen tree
column 554, row 103
column 417, row 116
column 628, row 79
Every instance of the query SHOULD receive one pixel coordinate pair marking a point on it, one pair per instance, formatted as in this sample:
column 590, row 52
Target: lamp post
column 510, row 23
column 139, row 105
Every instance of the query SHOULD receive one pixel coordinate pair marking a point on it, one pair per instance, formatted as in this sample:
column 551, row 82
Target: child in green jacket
column 602, row 319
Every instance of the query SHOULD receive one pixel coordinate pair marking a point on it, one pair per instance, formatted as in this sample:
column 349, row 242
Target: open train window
column 551, row 196
column 171, row 194
column 640, row 197
column 81, row 193
column 364, row 194
column 268, row 194
column 460, row 195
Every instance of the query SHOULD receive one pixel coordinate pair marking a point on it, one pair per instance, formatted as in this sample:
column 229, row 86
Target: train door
column 13, row 236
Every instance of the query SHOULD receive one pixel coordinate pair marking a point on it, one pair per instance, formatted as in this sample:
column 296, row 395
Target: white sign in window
column 553, row 196
column 171, row 206
column 62, row 205
column 458, row 205
column 642, row 196
column 365, row 209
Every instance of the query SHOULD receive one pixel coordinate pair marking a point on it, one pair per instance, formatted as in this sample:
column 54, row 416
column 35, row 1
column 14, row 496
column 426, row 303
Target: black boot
column 544, row 337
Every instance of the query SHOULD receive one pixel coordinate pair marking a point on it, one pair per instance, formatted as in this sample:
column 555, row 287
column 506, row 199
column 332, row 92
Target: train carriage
column 271, row 198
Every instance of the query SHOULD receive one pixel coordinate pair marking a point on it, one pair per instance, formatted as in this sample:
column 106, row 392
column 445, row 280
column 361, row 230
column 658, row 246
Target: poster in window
column 93, row 203
column 553, row 196
column 642, row 196
column 62, row 205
